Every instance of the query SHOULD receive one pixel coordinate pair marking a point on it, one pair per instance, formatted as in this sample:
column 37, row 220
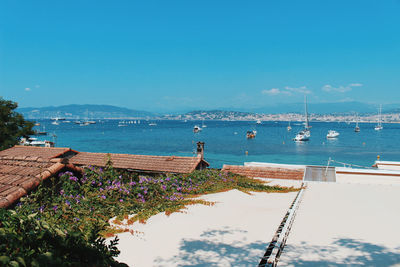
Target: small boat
column 55, row 122
column 153, row 124
column 42, row 132
column 303, row 135
column 332, row 134
column 379, row 126
column 357, row 129
column 258, row 121
column 31, row 141
column 289, row 128
column 251, row 134
column 58, row 119
column 196, row 129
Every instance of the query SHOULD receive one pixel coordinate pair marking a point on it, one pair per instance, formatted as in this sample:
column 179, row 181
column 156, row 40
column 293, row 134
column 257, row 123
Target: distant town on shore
column 78, row 112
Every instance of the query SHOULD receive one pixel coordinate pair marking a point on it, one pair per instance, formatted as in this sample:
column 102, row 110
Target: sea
column 226, row 142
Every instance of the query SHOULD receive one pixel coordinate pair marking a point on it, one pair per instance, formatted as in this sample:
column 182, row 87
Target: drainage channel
column 275, row 247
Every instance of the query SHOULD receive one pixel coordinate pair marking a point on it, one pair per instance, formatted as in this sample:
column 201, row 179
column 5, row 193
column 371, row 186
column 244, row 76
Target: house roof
column 20, row 175
column 31, row 152
column 265, row 172
column 22, row 168
column 171, row 164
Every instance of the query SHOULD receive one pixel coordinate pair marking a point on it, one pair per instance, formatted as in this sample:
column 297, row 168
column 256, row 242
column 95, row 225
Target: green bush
column 66, row 219
column 25, row 240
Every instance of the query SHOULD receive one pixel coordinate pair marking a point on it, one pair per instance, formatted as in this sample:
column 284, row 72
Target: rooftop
column 22, row 168
column 170, row 164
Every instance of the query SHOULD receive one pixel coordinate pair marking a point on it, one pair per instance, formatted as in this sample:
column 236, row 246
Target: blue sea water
column 226, row 143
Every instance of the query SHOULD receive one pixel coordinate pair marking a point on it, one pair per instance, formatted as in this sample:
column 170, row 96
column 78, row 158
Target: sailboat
column 379, row 126
column 304, row 135
column 289, row 128
column 357, row 129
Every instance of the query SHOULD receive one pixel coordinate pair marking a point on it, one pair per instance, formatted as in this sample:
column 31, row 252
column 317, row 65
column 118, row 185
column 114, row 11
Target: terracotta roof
column 31, row 152
column 21, row 174
column 171, row 164
column 265, row 172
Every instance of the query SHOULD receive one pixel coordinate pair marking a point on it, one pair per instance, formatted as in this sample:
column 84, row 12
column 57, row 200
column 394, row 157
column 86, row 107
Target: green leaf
column 14, row 264
column 21, row 261
column 4, row 260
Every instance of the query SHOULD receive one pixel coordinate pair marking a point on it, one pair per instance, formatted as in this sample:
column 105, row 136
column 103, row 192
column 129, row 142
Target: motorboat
column 251, row 134
column 357, row 129
column 31, row 141
column 197, row 129
column 303, row 135
column 332, row 134
column 258, row 121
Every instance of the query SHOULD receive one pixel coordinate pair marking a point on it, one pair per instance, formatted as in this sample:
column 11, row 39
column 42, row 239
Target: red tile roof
column 19, row 176
column 170, row 164
column 22, row 168
column 265, row 172
column 31, row 152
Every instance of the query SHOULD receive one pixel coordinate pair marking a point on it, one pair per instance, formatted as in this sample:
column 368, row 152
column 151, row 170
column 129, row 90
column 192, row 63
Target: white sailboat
column 379, row 126
column 289, row 128
column 304, row 135
column 357, row 129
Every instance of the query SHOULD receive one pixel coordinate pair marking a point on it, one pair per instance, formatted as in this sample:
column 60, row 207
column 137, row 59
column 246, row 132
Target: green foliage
column 26, row 240
column 12, row 125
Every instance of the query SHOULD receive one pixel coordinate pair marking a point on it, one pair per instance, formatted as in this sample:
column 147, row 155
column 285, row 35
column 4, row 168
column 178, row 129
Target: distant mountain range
column 113, row 112
column 83, row 111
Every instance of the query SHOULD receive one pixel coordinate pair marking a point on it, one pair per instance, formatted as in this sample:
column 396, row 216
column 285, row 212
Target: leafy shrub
column 74, row 210
column 27, row 241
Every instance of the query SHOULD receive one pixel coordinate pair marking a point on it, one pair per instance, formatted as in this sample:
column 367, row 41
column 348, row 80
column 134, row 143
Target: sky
column 164, row 56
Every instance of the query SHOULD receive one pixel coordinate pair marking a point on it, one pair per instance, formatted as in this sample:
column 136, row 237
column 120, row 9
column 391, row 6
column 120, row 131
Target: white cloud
column 341, row 88
column 273, row 91
column 301, row 89
column 27, row 89
column 355, row 84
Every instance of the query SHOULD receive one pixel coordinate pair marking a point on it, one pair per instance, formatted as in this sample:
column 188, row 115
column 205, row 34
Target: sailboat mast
column 306, row 112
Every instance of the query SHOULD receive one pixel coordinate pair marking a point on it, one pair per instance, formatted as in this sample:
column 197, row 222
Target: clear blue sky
column 178, row 55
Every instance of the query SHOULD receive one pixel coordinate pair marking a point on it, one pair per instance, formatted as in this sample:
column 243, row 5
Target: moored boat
column 332, row 134
column 251, row 134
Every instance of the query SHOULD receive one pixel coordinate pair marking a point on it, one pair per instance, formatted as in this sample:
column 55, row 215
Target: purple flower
column 41, row 209
column 62, row 192
column 76, row 219
column 103, row 196
column 67, row 202
column 121, row 200
column 73, row 178
column 55, row 208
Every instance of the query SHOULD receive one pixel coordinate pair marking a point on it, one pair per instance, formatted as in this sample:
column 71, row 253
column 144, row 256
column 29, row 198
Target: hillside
column 83, row 111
